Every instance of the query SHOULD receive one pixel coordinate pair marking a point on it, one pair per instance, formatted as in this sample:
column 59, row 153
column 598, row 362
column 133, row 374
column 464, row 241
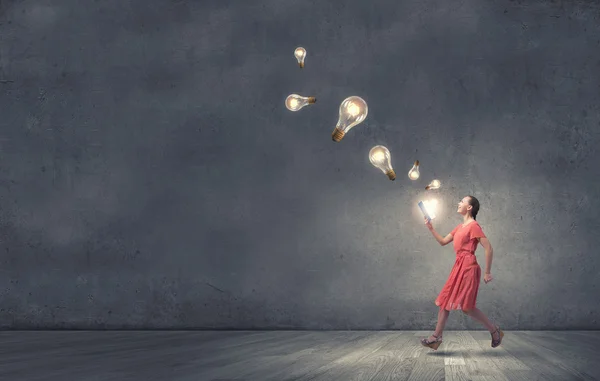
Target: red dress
column 460, row 290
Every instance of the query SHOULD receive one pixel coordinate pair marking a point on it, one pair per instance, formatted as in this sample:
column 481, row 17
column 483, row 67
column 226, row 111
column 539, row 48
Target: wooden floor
column 296, row 355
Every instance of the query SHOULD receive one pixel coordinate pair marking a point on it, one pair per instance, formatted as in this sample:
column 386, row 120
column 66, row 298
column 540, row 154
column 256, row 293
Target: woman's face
column 463, row 205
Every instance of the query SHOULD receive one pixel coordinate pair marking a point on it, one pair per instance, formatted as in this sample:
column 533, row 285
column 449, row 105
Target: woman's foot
column 497, row 336
column 433, row 337
column 432, row 341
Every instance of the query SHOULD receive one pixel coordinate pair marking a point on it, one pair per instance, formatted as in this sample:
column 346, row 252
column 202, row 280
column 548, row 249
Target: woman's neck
column 467, row 219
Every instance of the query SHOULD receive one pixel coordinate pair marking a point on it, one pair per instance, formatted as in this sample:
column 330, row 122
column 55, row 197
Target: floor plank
column 341, row 368
column 479, row 365
column 370, row 366
column 563, row 361
column 296, row 355
column 457, row 373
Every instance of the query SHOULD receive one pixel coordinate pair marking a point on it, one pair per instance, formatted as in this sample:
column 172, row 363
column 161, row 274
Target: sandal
column 495, row 342
column 432, row 344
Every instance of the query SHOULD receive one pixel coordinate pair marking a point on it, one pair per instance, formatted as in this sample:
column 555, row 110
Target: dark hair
column 475, row 204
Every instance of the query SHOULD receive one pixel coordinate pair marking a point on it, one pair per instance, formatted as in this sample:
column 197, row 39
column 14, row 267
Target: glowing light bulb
column 414, row 174
column 380, row 157
column 295, row 102
column 300, row 54
column 353, row 111
column 435, row 184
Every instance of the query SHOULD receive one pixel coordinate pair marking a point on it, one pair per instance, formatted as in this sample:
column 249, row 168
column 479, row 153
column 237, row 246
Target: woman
column 460, row 290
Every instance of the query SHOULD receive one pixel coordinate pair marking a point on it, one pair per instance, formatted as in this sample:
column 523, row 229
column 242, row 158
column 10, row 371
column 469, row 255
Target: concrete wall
column 151, row 177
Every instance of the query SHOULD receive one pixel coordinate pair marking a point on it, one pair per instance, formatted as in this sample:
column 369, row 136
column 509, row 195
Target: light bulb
column 435, row 184
column 295, row 102
column 300, row 54
column 414, row 174
column 353, row 110
column 380, row 157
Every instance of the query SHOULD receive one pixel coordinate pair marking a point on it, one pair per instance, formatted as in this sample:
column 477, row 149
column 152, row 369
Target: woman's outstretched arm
column 441, row 240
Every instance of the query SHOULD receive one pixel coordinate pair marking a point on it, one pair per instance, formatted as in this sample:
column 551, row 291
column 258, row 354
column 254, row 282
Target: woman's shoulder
column 475, row 225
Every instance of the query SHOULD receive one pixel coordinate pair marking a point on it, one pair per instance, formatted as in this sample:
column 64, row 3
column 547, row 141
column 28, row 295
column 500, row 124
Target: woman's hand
column 428, row 223
column 487, row 278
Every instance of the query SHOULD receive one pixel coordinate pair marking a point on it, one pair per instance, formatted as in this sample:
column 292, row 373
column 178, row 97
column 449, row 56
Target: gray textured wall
column 151, row 177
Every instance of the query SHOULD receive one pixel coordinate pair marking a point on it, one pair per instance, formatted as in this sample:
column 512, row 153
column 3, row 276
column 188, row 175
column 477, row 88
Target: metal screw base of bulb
column 312, row 99
column 337, row 135
column 391, row 175
column 301, row 64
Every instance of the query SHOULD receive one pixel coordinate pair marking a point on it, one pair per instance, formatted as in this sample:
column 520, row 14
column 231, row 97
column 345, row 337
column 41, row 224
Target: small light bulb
column 353, row 111
column 295, row 102
column 380, row 157
column 414, row 174
column 435, row 184
column 300, row 54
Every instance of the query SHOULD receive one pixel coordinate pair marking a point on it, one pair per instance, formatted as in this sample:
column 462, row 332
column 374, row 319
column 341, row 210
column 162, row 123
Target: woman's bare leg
column 441, row 323
column 478, row 315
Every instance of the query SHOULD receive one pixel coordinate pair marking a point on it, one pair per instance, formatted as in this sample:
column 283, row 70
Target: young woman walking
column 460, row 290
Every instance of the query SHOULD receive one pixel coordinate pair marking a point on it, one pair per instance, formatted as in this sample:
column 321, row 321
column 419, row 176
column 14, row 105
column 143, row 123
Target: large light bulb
column 300, row 54
column 295, row 102
column 435, row 184
column 380, row 157
column 353, row 111
column 414, row 174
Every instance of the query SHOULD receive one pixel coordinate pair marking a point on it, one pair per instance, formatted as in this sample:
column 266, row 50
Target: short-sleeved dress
column 460, row 290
